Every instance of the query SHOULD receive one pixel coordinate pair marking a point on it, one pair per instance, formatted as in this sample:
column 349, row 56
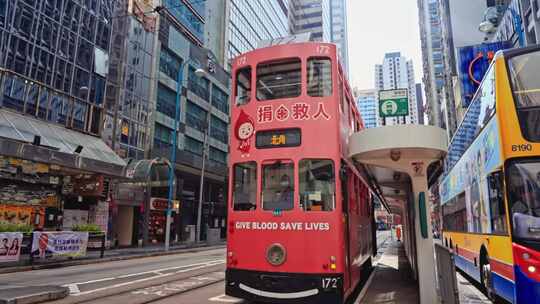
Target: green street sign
column 393, row 103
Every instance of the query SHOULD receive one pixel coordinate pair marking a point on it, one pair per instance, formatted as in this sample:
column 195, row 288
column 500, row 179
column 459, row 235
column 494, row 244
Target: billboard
column 393, row 103
column 473, row 63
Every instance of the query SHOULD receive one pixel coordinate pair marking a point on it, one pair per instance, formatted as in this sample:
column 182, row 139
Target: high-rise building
column 420, row 103
column 366, row 102
column 55, row 79
column 397, row 72
column 433, row 61
column 204, row 111
column 338, row 18
column 311, row 16
column 253, row 21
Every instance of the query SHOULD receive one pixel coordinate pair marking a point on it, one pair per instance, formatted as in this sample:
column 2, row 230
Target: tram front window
column 278, row 186
column 524, row 198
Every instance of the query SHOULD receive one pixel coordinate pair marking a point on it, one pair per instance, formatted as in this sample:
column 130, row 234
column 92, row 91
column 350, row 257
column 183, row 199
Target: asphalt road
column 182, row 278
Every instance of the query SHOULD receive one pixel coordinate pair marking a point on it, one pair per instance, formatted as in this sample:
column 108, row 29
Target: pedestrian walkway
column 392, row 281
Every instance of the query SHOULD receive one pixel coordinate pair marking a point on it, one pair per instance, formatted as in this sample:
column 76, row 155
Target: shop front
column 53, row 178
column 139, row 205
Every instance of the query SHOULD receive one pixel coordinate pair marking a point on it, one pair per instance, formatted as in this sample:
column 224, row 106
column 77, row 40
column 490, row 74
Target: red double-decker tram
column 301, row 226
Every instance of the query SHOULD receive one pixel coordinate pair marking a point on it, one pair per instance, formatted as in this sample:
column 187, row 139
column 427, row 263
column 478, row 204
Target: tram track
column 153, row 289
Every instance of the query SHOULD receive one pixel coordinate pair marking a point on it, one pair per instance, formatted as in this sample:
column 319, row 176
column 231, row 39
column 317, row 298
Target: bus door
column 344, row 176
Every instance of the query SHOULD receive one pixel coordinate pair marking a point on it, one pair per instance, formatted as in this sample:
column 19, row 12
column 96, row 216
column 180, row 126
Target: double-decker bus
column 300, row 214
column 490, row 193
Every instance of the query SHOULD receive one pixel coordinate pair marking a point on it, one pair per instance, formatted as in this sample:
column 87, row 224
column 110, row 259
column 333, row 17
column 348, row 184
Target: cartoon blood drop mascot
column 244, row 130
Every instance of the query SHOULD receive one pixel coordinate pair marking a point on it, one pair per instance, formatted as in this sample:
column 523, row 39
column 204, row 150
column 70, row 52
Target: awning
column 57, row 145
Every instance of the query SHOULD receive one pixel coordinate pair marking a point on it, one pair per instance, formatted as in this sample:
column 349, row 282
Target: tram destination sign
column 278, row 138
column 393, row 103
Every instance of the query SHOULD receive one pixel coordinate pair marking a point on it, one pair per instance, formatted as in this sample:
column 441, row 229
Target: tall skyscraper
column 254, row 21
column 397, row 72
column 338, row 17
column 311, row 16
column 366, row 102
column 420, row 103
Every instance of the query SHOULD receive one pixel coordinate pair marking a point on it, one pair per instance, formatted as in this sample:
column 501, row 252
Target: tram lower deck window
column 245, row 186
column 278, row 186
column 317, row 185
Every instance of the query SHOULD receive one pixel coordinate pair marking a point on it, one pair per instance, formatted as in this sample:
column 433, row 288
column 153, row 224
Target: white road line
column 224, row 299
column 147, row 279
column 73, row 288
column 141, row 273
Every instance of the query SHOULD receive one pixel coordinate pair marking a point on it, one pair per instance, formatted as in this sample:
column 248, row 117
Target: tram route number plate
column 329, row 283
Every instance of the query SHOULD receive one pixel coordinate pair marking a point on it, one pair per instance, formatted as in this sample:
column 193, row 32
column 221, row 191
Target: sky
column 379, row 26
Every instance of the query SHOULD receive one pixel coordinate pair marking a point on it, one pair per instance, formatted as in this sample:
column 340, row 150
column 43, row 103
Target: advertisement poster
column 55, row 244
column 15, row 214
column 10, row 246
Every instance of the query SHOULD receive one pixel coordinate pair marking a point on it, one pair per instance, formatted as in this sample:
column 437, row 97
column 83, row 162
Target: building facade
column 314, row 17
column 397, row 72
column 253, row 21
column 55, row 69
column 420, row 103
column 204, row 116
column 367, row 104
column 338, row 17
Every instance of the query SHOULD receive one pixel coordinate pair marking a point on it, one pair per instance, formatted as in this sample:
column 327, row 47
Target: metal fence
column 446, row 275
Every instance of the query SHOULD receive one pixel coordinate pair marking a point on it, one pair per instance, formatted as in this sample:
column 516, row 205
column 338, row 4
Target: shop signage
column 394, row 103
column 10, row 246
column 160, row 204
column 16, row 214
column 56, row 244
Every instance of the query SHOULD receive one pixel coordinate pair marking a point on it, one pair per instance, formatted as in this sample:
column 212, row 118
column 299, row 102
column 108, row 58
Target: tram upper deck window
column 279, row 79
column 319, row 77
column 245, row 186
column 526, row 88
column 243, row 86
column 278, row 185
column 317, row 185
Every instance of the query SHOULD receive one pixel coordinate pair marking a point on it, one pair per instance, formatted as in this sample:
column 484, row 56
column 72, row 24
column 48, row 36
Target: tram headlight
column 526, row 256
column 276, row 254
column 531, row 269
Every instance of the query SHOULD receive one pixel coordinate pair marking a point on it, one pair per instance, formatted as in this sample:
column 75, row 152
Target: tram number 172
column 328, row 283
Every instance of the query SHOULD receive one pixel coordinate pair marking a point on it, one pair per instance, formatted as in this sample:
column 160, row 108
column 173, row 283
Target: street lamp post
column 201, row 184
column 179, row 86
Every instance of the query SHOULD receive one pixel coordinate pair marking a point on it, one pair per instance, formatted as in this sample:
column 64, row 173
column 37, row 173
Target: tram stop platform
column 392, row 281
column 392, row 278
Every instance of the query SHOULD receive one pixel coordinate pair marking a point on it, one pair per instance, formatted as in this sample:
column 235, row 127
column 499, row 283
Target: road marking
column 225, row 299
column 168, row 289
column 157, row 271
column 73, row 288
column 200, row 265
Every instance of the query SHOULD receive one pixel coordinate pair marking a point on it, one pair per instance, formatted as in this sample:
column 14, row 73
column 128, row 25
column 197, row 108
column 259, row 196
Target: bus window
column 279, row 79
column 278, row 186
column 455, row 214
column 245, row 186
column 496, row 203
column 243, row 86
column 319, row 77
column 524, row 199
column 317, row 185
column 526, row 88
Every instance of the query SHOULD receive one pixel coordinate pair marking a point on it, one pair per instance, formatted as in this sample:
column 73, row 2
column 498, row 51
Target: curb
column 105, row 259
column 38, row 297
